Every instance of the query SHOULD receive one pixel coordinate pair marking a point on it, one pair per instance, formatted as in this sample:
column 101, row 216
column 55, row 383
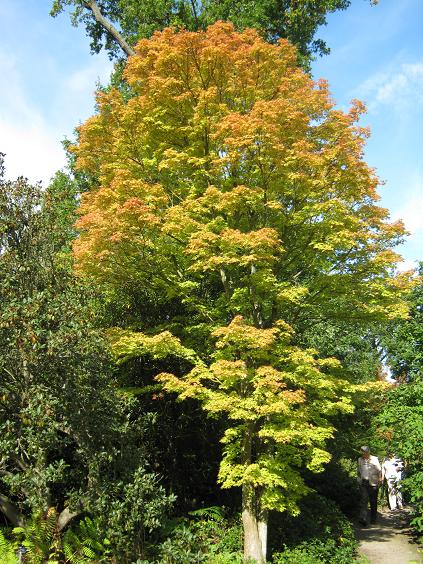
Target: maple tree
column 232, row 201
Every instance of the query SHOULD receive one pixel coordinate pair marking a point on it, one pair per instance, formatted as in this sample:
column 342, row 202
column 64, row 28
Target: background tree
column 117, row 25
column 68, row 439
column 399, row 422
column 399, row 426
column 228, row 186
column 358, row 347
column 404, row 339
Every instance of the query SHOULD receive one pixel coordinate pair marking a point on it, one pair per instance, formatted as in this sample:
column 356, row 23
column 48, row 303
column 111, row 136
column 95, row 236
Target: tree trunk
column 254, row 520
column 262, row 531
column 11, row 511
column 252, row 543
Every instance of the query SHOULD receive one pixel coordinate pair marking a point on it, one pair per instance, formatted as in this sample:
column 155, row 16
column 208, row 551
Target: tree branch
column 194, row 12
column 65, row 517
column 92, row 5
column 11, row 511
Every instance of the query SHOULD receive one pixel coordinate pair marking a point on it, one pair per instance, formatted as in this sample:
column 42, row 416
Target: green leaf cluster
column 68, row 438
column 278, row 399
column 297, row 21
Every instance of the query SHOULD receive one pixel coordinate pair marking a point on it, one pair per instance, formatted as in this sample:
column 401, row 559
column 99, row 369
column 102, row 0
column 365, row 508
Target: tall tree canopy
column 119, row 24
column 231, row 202
column 229, row 181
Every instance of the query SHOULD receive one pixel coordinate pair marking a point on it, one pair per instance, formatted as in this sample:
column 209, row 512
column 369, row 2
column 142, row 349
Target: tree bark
column 65, row 517
column 108, row 26
column 255, row 529
column 262, row 532
column 253, row 548
column 11, row 512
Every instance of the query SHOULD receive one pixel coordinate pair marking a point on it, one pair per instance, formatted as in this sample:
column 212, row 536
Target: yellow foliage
column 128, row 344
column 229, row 161
column 228, row 184
column 275, row 395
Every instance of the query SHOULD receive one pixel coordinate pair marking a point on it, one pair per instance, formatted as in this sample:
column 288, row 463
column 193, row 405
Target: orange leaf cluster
column 228, row 162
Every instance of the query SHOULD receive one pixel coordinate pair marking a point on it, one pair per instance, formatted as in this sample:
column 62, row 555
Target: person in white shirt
column 369, row 474
column 392, row 471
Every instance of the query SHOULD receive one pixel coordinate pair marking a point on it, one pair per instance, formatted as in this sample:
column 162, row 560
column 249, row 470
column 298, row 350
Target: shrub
column 208, row 535
column 316, row 552
column 321, row 533
column 400, row 425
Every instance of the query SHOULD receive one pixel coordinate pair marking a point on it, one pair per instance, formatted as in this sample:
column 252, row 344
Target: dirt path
column 389, row 541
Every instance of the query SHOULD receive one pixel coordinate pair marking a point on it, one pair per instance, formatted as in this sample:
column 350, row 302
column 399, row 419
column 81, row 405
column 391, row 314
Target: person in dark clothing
column 369, row 474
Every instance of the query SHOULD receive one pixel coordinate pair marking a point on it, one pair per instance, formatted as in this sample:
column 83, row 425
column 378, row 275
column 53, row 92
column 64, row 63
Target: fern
column 214, row 512
column 7, row 551
column 86, row 542
column 39, row 537
column 42, row 541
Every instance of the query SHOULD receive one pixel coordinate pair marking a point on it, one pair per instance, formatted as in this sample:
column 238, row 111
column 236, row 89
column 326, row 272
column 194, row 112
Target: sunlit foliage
column 232, row 201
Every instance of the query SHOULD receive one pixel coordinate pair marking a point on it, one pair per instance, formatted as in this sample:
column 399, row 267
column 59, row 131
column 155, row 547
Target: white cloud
column 411, row 212
column 30, row 132
column 31, row 150
column 397, row 87
column 407, row 83
column 32, row 147
column 406, row 265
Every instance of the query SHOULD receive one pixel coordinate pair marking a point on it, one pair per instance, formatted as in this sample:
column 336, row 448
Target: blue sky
column 48, row 78
column 377, row 56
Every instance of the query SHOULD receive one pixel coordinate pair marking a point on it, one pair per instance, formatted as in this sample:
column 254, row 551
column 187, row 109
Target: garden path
column 389, row 541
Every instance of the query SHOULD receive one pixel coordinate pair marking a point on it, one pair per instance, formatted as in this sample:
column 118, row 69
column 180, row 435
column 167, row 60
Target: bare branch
column 92, row 5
